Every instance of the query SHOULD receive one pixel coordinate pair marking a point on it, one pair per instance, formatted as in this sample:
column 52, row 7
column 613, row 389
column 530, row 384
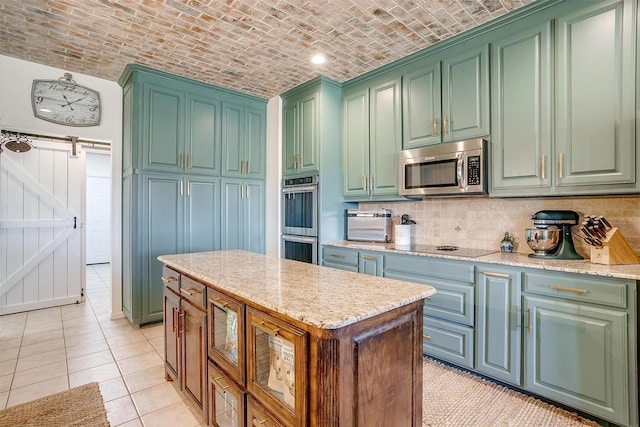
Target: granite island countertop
column 321, row 297
column 630, row 271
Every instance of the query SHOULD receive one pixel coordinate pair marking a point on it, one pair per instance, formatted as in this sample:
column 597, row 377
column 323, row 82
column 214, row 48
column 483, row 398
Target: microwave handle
column 460, row 170
column 299, row 189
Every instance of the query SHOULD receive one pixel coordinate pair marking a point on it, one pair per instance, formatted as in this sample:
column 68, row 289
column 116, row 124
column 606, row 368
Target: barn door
column 41, row 243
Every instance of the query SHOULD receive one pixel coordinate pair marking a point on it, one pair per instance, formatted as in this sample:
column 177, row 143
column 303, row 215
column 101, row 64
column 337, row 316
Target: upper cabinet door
column 355, row 142
column 465, row 95
column 521, row 108
column 309, row 132
column 202, row 151
column 595, row 140
column 233, row 147
column 255, row 140
column 290, row 138
column 385, row 137
column 422, row 106
column 163, row 133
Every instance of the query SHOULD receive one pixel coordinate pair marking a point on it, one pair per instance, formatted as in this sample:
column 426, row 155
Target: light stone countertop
column 630, row 271
column 321, row 297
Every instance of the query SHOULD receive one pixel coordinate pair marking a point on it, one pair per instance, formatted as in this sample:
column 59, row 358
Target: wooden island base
column 292, row 344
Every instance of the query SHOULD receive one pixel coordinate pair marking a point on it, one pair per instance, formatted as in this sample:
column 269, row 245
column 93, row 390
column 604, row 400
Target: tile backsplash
column 480, row 222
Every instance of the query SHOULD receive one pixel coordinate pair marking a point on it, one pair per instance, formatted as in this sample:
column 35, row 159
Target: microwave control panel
column 473, row 170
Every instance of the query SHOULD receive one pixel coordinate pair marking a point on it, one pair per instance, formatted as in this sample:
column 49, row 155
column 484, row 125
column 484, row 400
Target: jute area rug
column 79, row 407
column 455, row 398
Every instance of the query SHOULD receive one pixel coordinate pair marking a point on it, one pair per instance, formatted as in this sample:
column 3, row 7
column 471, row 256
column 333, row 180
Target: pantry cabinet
column 498, row 343
column 563, row 109
column 371, row 139
column 173, row 134
column 446, row 97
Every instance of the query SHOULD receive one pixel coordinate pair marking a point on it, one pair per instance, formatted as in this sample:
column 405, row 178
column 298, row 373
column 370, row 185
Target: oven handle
column 302, row 239
column 299, row 189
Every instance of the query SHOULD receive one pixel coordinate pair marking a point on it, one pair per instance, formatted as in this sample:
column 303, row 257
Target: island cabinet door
column 226, row 343
column 226, row 400
column 277, row 366
column 193, row 337
column 171, row 334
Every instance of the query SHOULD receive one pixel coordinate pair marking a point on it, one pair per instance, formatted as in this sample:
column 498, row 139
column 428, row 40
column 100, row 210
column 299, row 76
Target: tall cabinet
column 182, row 141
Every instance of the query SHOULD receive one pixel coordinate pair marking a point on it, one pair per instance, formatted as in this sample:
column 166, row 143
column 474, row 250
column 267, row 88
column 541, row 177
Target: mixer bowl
column 543, row 240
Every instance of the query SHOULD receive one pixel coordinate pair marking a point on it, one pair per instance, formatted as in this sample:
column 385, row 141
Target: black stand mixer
column 552, row 236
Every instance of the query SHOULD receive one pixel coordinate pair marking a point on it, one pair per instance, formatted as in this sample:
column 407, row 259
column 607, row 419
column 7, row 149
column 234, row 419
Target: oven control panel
column 302, row 180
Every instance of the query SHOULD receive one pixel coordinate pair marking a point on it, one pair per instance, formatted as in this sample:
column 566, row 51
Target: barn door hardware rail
column 20, row 142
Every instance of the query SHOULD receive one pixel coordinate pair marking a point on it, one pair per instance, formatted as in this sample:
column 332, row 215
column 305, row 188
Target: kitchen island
column 267, row 341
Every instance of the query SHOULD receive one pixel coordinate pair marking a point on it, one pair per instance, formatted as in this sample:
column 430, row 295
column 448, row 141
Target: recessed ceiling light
column 318, row 59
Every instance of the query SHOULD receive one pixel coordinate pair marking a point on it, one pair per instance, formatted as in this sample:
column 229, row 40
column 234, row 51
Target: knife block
column 615, row 250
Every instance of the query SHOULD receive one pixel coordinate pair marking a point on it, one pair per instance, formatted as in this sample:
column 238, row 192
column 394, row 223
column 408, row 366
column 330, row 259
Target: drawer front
column 459, row 271
column 335, row 255
column 452, row 301
column 448, row 341
column 583, row 288
column 193, row 291
column 171, row 279
column 259, row 417
column 226, row 400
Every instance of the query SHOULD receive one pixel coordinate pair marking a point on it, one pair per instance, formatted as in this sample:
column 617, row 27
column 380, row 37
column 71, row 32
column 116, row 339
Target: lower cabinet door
column 577, row 354
column 448, row 341
column 171, row 334
column 226, row 400
column 194, row 355
column 258, row 417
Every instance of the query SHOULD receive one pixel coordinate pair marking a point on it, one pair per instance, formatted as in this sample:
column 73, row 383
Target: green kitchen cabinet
column 498, row 342
column 301, row 132
column 243, row 141
column 579, row 343
column 180, row 214
column 243, row 218
column 563, row 102
column 340, row 258
column 371, row 263
column 371, row 139
column 446, row 97
column 171, row 163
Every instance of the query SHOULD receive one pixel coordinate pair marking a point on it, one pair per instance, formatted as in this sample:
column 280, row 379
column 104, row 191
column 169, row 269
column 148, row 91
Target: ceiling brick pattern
column 260, row 48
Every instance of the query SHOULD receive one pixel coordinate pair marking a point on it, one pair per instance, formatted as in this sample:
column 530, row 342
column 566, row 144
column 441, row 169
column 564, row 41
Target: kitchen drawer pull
column 368, row 257
column 220, row 384
column 189, row 292
column 270, row 329
column 219, row 303
column 426, row 337
column 336, row 256
column 489, row 273
column 256, row 423
column 576, row 290
column 170, row 279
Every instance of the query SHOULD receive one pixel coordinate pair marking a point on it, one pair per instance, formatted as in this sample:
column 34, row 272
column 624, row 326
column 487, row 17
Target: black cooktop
column 445, row 250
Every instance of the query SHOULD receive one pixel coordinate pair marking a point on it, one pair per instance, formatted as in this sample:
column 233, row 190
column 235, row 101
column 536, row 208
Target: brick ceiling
column 256, row 47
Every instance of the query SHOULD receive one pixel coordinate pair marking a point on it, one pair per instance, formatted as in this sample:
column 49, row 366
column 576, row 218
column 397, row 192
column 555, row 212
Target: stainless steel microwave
column 453, row 168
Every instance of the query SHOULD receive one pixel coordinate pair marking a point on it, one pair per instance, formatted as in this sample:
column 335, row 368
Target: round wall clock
column 65, row 102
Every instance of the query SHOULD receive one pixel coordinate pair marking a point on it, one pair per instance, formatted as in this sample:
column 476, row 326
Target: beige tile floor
column 46, row 351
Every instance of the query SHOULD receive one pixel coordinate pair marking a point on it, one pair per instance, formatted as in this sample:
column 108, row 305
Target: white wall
column 274, row 160
column 16, row 77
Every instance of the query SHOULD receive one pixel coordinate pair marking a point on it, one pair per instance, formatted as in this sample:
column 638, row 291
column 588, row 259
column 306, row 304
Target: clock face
column 65, row 103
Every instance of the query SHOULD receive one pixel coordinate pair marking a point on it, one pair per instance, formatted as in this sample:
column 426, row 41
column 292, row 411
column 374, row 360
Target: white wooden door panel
column 97, row 220
column 41, row 242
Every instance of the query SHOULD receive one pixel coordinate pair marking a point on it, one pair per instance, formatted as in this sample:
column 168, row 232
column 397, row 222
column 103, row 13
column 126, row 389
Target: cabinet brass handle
column 256, row 423
column 189, row 292
column 241, row 167
column 368, row 257
column 173, row 318
column 188, row 160
column 435, row 127
column 444, row 125
column 246, row 192
column 426, row 337
column 528, row 320
column 337, row 256
column 270, row 329
column 427, row 298
column 170, row 279
column 181, row 324
column 247, row 167
column 542, row 158
column 364, row 182
column 218, row 302
column 181, row 188
column 576, row 290
column 188, row 188
column 220, row 384
column 242, row 191
column 181, row 161
column 370, row 183
column 489, row 273
column 560, row 166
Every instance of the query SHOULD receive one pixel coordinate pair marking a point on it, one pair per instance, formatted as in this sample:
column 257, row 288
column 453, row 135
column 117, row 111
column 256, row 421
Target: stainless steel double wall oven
column 300, row 219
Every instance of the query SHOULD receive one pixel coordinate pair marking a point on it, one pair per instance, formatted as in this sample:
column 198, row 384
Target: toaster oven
column 369, row 225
